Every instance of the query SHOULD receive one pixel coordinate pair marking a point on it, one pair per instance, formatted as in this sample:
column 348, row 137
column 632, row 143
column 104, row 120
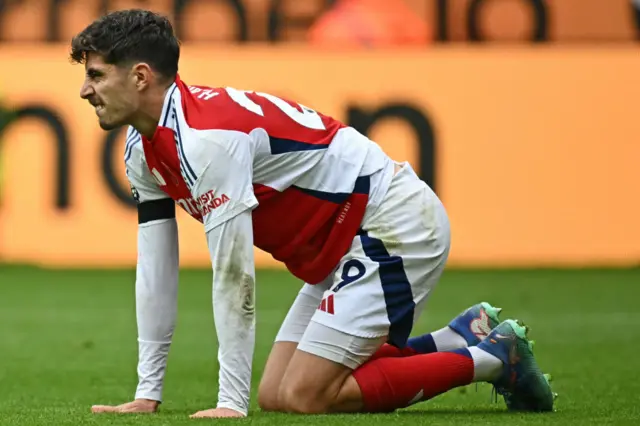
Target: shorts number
column 307, row 117
column 347, row 278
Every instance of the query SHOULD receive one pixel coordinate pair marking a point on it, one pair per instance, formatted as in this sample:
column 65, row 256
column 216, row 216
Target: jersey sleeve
column 156, row 271
column 231, row 249
column 143, row 187
column 223, row 163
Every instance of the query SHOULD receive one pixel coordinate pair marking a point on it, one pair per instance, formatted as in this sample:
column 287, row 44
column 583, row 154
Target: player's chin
column 106, row 124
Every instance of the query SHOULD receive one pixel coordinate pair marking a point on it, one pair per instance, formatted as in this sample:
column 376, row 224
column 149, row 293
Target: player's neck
column 146, row 124
column 148, row 116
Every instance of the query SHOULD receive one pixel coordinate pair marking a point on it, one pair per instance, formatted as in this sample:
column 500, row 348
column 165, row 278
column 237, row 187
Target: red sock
column 390, row 351
column 390, row 383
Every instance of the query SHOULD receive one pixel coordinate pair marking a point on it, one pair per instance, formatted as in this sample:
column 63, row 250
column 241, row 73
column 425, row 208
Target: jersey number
column 347, row 276
column 307, row 117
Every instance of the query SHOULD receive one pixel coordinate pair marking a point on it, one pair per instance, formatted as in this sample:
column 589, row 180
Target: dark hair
column 128, row 36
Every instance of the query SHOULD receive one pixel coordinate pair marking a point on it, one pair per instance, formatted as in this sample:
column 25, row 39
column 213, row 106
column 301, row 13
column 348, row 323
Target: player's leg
column 505, row 359
column 328, row 372
column 314, row 384
column 286, row 342
column 380, row 289
column 465, row 330
column 319, row 376
column 274, row 369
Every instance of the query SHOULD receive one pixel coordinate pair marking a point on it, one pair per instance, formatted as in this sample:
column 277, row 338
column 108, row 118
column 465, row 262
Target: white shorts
column 381, row 284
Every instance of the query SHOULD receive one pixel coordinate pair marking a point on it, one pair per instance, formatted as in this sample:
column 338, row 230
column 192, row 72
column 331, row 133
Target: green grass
column 68, row 340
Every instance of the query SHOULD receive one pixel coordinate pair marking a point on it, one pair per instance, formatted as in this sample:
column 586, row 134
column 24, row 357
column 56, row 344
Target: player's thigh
column 319, row 367
column 286, row 342
column 348, row 327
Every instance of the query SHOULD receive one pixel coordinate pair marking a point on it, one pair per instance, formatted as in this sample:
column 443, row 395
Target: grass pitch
column 68, row 340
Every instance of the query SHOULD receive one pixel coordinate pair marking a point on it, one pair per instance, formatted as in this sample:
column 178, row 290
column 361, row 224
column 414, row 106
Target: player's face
column 111, row 91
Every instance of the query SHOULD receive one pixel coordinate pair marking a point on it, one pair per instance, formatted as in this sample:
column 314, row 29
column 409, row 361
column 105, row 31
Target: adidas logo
column 327, row 305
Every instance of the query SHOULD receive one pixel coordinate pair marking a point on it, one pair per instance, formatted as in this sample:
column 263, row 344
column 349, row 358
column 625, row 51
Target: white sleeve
column 156, row 276
column 143, row 185
column 231, row 250
column 156, row 302
column 223, row 161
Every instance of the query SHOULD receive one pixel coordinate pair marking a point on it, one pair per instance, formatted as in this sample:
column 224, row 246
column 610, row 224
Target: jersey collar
column 168, row 105
column 166, row 117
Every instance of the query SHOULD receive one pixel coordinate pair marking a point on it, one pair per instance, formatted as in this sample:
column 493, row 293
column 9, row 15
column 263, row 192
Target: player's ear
column 142, row 75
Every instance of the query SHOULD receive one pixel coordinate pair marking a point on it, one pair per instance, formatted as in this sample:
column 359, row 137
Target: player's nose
column 86, row 90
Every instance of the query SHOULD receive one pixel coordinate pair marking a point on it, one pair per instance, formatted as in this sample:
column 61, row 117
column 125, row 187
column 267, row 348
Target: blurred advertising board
column 533, row 150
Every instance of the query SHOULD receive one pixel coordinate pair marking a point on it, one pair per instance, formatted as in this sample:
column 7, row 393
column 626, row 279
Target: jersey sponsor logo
column 204, row 204
column 208, row 202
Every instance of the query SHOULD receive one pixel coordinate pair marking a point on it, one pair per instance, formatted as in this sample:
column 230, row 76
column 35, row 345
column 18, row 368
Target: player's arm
column 231, row 250
column 156, row 281
column 225, row 193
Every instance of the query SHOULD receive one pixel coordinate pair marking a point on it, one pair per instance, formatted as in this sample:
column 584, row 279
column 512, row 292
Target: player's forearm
column 235, row 327
column 231, row 248
column 156, row 302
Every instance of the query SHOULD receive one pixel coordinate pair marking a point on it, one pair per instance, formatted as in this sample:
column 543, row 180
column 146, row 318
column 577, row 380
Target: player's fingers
column 215, row 414
column 103, row 409
column 136, row 407
column 205, row 414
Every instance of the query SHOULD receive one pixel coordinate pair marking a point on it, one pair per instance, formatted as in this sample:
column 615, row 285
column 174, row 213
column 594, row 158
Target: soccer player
column 366, row 235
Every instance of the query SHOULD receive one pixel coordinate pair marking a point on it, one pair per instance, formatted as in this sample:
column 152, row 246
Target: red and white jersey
column 307, row 177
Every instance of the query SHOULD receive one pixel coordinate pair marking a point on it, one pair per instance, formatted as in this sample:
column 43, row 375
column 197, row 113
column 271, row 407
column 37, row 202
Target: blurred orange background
column 535, row 148
column 216, row 21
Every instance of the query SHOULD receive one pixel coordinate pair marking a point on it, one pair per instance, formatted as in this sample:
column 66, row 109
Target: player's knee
column 268, row 402
column 268, row 398
column 302, row 399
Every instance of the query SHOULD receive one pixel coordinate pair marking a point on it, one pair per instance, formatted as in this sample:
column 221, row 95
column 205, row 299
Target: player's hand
column 215, row 413
column 136, row 406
